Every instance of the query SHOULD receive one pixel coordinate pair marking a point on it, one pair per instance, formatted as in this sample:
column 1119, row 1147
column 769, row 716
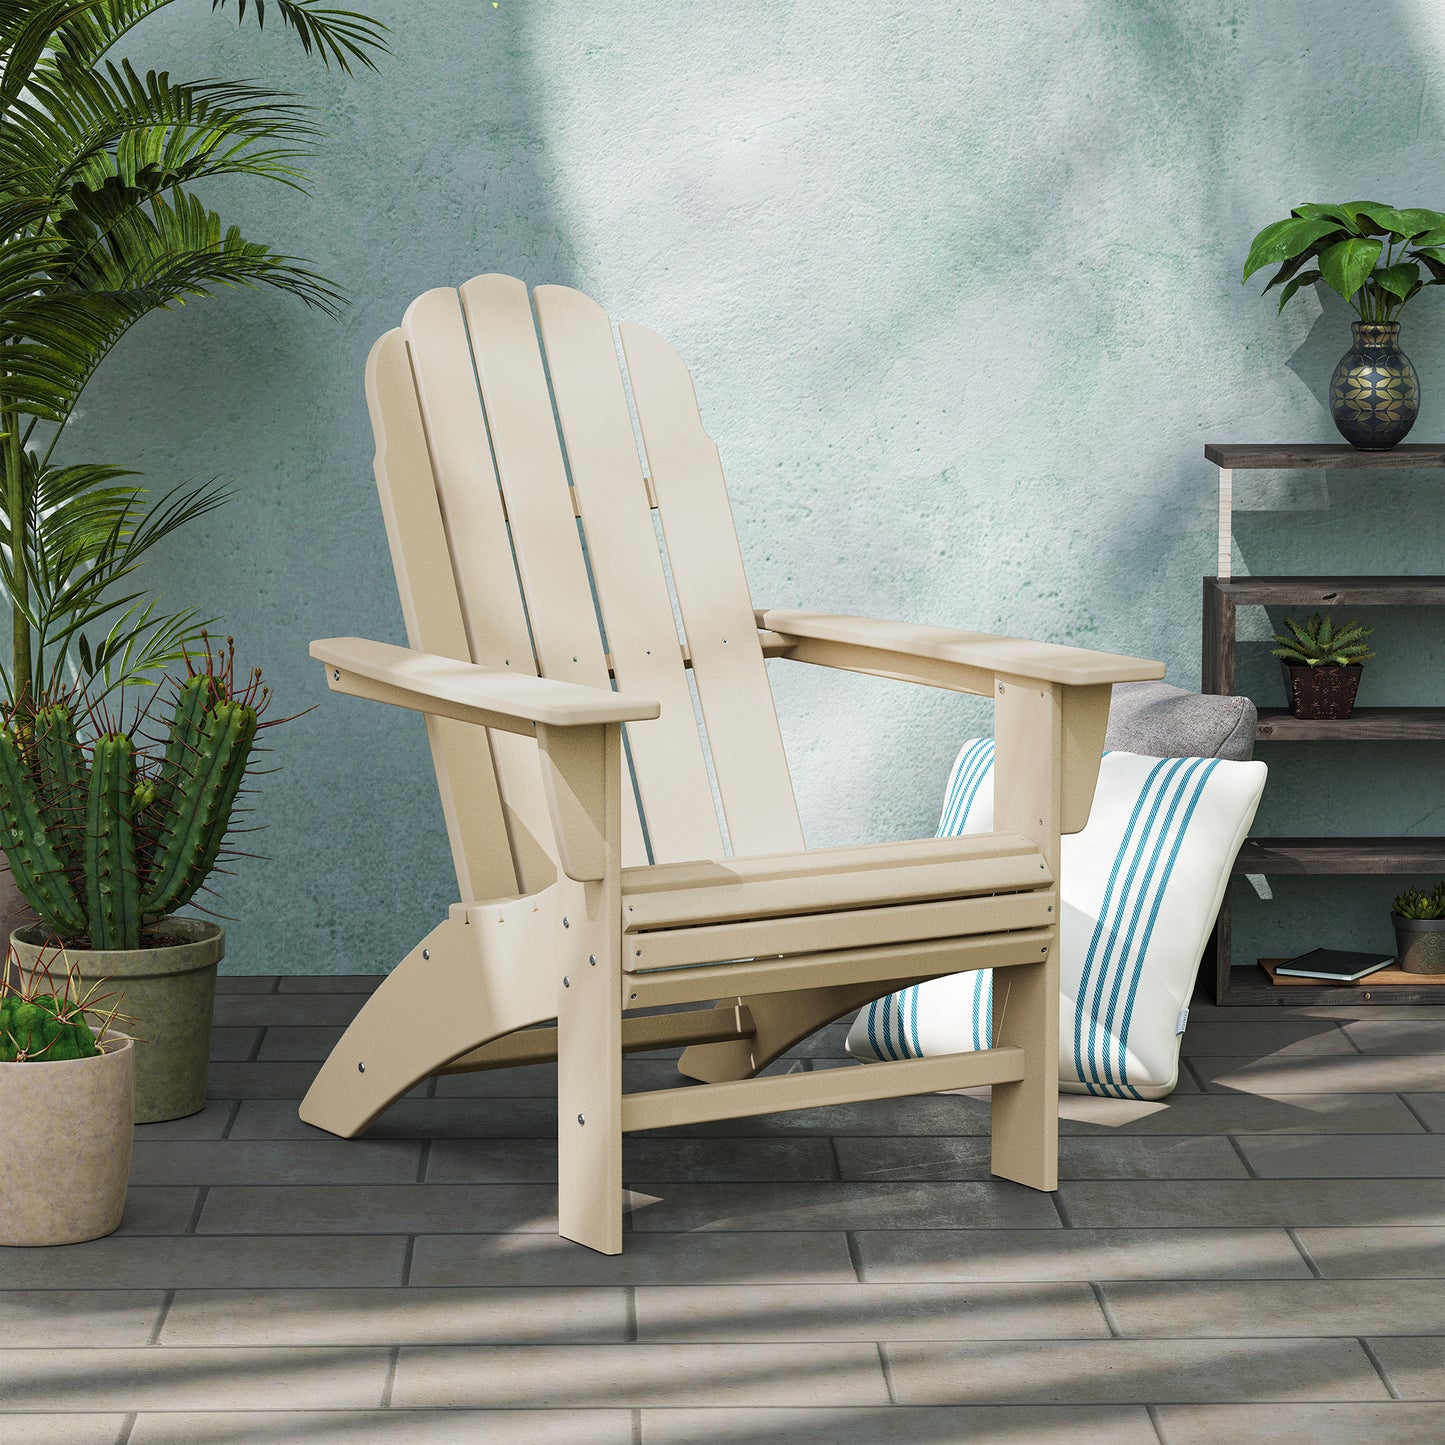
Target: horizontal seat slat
column 844, row 928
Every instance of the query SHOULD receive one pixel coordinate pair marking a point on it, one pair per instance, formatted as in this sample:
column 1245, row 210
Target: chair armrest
column 971, row 660
column 447, row 687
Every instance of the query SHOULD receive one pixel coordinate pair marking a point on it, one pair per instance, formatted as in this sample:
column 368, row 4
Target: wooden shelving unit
column 1223, row 595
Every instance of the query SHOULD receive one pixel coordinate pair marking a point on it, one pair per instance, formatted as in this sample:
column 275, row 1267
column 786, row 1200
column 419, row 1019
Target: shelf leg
column 1226, row 521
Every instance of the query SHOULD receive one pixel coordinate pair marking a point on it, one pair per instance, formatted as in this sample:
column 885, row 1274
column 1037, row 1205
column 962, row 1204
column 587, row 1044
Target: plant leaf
column 1282, row 240
column 1345, row 265
column 1398, row 279
column 1305, row 278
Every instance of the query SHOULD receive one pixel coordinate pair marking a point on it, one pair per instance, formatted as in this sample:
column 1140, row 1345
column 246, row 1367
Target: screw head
column 361, row 1068
column 581, row 1118
column 592, row 959
column 566, row 923
column 566, row 982
column 426, row 953
column 335, row 674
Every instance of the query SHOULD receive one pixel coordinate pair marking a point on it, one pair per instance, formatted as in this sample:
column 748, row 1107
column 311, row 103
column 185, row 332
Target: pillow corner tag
column 1182, row 1022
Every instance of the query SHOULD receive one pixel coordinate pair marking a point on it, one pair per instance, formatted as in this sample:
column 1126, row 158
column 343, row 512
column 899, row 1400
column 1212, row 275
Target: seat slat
column 481, row 556
column 612, row 501
column 844, row 928
column 432, row 610
column 712, row 593
column 533, row 480
column 962, row 875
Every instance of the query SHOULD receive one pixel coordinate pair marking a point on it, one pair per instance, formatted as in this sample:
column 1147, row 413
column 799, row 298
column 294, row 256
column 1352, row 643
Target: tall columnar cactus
column 100, row 840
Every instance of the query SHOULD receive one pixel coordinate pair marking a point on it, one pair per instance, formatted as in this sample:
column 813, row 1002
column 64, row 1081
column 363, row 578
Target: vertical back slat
column 539, row 504
column 712, row 593
column 466, row 778
column 481, row 556
column 632, row 591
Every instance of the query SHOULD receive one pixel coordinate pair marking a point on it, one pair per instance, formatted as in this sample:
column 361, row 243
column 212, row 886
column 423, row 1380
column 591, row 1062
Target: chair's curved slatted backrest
column 474, row 483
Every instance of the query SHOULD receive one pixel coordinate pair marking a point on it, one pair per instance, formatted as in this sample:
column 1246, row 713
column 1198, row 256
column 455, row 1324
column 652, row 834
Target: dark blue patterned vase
column 1374, row 393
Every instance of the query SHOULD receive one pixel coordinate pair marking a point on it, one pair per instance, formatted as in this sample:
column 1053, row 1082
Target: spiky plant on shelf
column 104, row 837
column 1419, row 921
column 1412, row 903
column 100, row 225
column 1322, row 665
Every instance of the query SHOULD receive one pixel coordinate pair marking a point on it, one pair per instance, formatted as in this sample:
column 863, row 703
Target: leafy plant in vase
column 1378, row 258
column 107, row 841
column 1322, row 665
column 1419, row 921
column 67, row 1105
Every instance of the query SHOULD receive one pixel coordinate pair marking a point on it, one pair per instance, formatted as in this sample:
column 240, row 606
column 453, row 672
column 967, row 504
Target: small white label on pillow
column 1182, row 1022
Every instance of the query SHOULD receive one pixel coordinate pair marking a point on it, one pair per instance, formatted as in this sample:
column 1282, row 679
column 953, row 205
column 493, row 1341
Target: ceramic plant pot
column 1420, row 943
column 1374, row 393
column 65, row 1137
column 1327, row 691
column 166, row 992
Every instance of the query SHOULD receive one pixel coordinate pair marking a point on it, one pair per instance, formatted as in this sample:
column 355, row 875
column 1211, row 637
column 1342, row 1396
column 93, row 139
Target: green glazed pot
column 165, row 993
column 1375, row 393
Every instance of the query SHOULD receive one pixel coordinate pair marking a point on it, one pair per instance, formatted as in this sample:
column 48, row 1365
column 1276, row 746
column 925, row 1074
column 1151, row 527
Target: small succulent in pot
column 67, row 1107
column 1419, row 920
column 1322, row 665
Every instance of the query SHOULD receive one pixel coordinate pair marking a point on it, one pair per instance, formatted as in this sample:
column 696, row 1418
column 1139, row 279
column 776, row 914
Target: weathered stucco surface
column 959, row 284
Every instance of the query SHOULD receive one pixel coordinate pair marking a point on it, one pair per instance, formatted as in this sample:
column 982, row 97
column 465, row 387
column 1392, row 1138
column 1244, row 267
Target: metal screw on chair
column 335, row 674
column 361, row 1068
column 426, row 953
column 592, row 959
column 566, row 982
column 581, row 1118
column 566, row 923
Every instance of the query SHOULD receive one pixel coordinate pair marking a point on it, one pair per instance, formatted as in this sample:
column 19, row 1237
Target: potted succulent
column 67, row 1104
column 107, row 839
column 1322, row 665
column 1419, row 920
column 1378, row 258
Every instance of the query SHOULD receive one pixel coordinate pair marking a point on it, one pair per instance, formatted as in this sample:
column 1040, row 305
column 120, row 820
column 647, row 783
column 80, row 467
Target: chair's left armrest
column 940, row 656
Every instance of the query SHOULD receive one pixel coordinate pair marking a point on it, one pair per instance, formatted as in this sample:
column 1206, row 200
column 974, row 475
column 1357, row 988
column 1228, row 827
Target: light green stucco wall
column 959, row 287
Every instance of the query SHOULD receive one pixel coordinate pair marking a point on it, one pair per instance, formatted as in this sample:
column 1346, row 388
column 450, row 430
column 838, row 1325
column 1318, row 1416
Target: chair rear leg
column 439, row 1002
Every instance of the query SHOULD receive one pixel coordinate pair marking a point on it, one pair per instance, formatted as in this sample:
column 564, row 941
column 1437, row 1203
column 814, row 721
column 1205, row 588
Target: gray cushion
column 1160, row 720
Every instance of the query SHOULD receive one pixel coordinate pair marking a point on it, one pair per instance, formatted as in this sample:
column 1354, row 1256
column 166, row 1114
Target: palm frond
column 339, row 36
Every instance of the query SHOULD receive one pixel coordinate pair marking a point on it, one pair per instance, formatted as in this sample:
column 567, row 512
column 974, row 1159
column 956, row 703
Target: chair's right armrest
column 447, row 687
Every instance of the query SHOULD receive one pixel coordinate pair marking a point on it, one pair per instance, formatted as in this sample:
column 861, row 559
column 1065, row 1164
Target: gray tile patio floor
column 1256, row 1259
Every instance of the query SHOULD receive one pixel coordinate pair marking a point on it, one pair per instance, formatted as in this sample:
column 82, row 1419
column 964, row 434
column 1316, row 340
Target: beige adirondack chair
column 595, row 876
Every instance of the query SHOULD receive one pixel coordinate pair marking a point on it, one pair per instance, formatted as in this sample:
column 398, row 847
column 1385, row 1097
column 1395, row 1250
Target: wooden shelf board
column 1248, row 984
column 1341, row 855
column 1397, row 591
column 1239, row 456
column 1423, row 724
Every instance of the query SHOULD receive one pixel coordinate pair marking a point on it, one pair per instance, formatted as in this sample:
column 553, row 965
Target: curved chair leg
column 446, row 997
column 781, row 1020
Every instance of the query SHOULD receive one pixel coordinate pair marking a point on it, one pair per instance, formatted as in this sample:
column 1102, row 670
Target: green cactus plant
column 1318, row 643
column 1412, row 903
column 43, row 1023
column 102, row 839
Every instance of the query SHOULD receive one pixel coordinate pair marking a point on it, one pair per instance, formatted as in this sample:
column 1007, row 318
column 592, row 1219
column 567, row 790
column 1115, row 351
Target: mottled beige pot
column 167, row 995
column 65, row 1135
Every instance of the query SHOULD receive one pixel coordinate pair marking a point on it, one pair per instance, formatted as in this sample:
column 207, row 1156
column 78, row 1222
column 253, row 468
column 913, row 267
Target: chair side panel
column 480, row 557
column 712, row 592
column 466, row 778
column 611, row 495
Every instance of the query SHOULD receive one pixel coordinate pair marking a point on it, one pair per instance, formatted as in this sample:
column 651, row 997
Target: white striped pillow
column 1140, row 886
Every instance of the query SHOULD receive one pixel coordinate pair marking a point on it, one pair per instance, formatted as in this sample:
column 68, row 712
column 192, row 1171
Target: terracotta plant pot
column 1420, row 943
column 1327, row 691
column 167, row 994
column 65, row 1137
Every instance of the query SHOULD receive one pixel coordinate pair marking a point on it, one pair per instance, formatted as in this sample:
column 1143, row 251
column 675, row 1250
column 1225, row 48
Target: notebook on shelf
column 1336, row 965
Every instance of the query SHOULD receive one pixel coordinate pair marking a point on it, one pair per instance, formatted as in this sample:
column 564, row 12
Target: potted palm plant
column 1378, row 258
column 1419, row 921
column 67, row 1103
column 1322, row 665
column 100, row 225
column 107, row 839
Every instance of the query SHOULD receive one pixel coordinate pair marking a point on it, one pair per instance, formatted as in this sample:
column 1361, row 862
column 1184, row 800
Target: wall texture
column 959, row 286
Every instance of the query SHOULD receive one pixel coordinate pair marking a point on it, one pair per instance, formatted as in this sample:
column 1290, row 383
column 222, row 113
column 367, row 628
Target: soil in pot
column 65, row 1134
column 166, row 992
